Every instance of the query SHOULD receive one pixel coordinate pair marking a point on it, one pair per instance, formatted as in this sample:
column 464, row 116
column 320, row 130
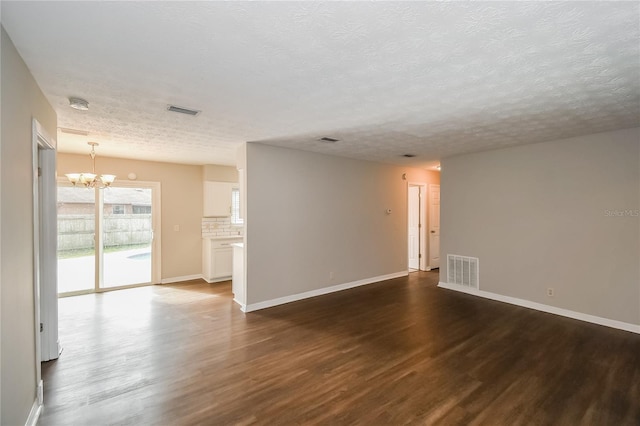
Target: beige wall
column 536, row 217
column 22, row 100
column 1, row 37
column 310, row 214
column 217, row 173
column 181, row 205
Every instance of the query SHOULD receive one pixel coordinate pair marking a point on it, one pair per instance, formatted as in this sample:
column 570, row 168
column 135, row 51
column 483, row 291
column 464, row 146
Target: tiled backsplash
column 220, row 227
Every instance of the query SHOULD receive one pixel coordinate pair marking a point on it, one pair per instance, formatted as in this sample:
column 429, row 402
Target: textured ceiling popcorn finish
column 430, row 78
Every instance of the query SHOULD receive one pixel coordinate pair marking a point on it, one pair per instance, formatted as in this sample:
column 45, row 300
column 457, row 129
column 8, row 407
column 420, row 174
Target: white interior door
column 414, row 227
column 50, row 346
column 434, row 226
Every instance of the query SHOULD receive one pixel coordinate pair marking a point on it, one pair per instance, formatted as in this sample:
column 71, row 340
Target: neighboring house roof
column 134, row 196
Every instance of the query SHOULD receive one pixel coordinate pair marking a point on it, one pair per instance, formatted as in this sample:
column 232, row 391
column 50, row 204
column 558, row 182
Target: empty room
column 340, row 213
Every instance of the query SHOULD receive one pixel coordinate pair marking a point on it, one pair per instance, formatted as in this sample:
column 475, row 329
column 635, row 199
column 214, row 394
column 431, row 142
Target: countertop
column 239, row 245
column 224, row 237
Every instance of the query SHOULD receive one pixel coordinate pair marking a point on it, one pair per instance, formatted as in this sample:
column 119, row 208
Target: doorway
column 44, row 248
column 415, row 224
column 107, row 238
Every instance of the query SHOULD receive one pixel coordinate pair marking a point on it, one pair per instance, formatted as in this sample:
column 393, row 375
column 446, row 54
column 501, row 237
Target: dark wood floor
column 397, row 352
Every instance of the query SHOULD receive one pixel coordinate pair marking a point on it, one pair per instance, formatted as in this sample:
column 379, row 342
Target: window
column 235, row 207
column 117, row 209
column 141, row 209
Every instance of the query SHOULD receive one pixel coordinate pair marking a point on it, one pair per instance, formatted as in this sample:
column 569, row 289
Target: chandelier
column 91, row 180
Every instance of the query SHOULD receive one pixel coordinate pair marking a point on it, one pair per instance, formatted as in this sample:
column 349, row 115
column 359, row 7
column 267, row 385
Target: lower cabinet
column 217, row 259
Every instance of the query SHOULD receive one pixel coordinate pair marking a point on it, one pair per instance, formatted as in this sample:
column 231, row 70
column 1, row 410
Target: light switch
column 176, row 228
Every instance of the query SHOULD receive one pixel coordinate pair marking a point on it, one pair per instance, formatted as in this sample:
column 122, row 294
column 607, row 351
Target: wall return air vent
column 462, row 270
column 182, row 110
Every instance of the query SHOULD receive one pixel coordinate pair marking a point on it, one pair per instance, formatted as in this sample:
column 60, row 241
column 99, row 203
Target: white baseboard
column 319, row 292
column 217, row 280
column 34, row 414
column 633, row 328
column 180, row 279
column 243, row 307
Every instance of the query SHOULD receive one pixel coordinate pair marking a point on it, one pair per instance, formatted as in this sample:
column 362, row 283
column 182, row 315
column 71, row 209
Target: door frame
column 427, row 232
column 422, row 235
column 43, row 153
column 156, row 226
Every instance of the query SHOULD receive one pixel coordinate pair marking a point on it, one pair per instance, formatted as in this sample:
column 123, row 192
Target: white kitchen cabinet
column 217, row 198
column 217, row 259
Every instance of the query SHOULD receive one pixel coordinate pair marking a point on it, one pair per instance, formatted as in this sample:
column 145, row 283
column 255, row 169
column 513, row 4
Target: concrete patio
column 124, row 267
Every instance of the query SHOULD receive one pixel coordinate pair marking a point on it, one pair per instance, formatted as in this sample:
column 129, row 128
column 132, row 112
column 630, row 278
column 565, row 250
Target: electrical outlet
column 176, row 228
column 550, row 291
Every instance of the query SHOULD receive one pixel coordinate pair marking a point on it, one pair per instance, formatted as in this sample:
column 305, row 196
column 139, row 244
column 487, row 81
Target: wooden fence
column 75, row 232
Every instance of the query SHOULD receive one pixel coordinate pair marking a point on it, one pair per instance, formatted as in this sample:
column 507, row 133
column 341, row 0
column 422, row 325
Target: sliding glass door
column 127, row 236
column 76, row 239
column 106, row 237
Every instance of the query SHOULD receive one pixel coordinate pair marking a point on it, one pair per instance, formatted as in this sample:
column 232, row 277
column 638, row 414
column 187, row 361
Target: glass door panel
column 76, row 239
column 126, row 236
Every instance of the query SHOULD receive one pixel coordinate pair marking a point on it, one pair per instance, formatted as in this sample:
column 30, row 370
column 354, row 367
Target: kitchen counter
column 217, row 257
column 223, row 237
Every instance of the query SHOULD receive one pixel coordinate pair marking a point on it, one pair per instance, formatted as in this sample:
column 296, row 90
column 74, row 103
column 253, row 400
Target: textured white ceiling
column 431, row 79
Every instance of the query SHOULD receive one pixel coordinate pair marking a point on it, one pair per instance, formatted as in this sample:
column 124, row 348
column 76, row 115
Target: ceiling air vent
column 328, row 140
column 182, row 110
column 73, row 131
